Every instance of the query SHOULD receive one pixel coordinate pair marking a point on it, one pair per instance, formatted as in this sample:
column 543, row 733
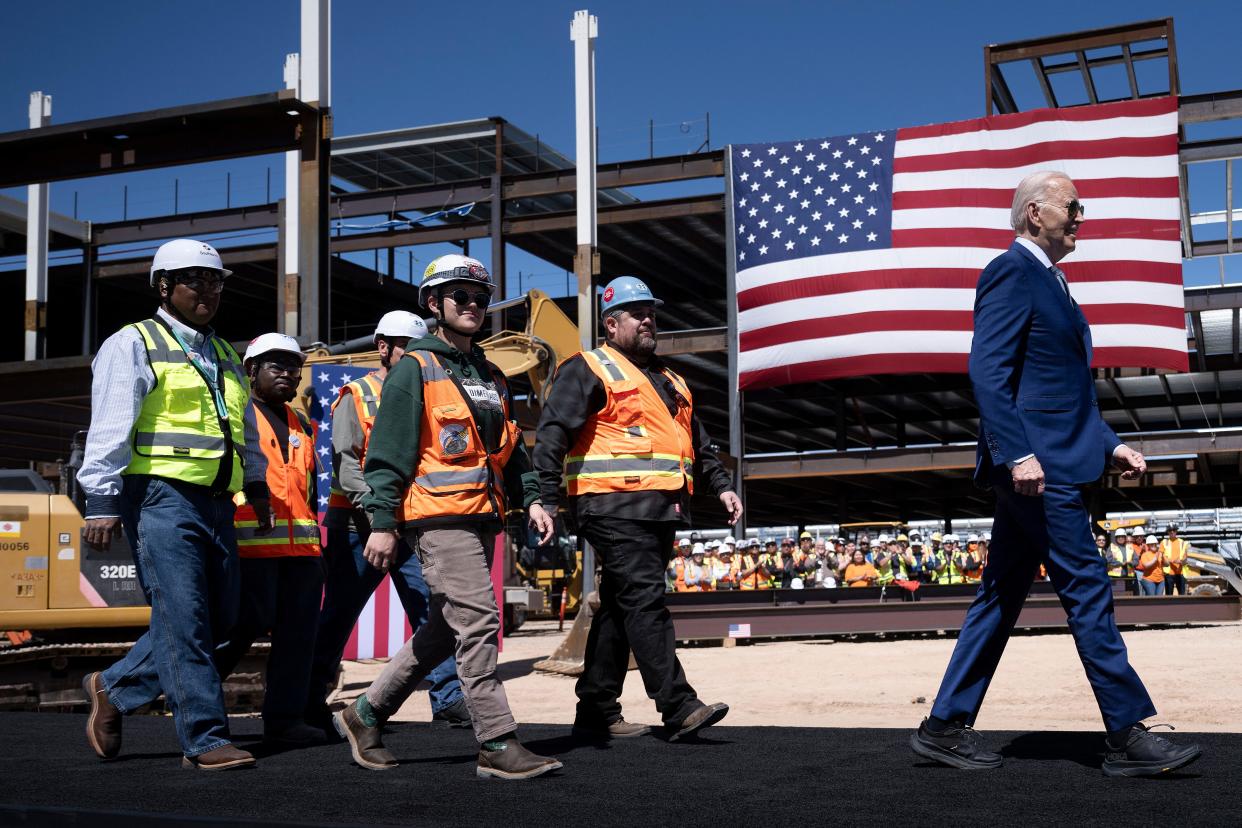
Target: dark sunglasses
column 462, row 297
column 1074, row 209
column 201, row 281
column 290, row 368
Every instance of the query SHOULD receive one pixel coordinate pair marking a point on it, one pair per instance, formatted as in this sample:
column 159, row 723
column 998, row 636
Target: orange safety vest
column 751, row 581
column 1175, row 551
column 288, row 481
column 365, row 393
column 456, row 474
column 633, row 443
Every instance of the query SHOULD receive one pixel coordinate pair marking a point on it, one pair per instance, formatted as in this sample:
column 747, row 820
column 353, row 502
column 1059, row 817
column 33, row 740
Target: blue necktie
column 1056, row 271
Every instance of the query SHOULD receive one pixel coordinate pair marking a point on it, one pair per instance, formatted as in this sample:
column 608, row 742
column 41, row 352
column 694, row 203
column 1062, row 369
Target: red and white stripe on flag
column 907, row 307
column 382, row 627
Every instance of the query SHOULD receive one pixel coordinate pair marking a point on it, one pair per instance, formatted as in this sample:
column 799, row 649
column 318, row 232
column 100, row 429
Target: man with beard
column 618, row 427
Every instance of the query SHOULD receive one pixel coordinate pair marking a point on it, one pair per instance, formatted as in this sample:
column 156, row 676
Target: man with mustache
column 618, row 427
column 163, row 461
column 1042, row 441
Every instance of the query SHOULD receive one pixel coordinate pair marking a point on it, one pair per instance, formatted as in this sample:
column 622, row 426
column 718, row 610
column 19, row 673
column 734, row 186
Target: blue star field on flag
column 326, row 382
column 811, row 198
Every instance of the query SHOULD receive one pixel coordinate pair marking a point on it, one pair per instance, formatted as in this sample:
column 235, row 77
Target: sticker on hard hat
column 608, row 294
column 479, row 272
column 454, row 439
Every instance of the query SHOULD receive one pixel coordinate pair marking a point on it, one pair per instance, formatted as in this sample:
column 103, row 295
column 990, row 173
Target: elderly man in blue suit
column 1041, row 441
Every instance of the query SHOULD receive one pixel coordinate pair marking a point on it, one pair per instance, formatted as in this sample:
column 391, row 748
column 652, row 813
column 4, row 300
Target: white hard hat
column 683, row 542
column 731, row 541
column 400, row 323
column 697, row 549
column 972, row 538
column 268, row 342
column 882, row 539
column 1120, row 533
column 1152, row 539
column 179, row 254
column 949, row 538
column 453, row 267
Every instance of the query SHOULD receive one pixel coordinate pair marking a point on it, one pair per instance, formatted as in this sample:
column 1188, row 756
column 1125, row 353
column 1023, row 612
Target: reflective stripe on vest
column 1176, row 552
column 365, row 392
column 289, row 483
column 177, row 434
column 633, row 443
column 456, row 475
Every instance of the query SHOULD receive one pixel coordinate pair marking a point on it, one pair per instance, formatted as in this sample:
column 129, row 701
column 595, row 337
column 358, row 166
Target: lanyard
column 208, row 368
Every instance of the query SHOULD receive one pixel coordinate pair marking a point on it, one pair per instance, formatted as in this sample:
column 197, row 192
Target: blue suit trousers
column 1054, row 529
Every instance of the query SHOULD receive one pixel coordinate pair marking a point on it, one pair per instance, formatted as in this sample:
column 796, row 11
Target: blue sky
column 775, row 70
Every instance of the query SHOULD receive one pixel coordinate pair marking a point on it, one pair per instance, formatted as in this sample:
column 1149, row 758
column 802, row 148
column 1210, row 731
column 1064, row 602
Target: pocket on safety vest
column 454, row 432
column 627, row 400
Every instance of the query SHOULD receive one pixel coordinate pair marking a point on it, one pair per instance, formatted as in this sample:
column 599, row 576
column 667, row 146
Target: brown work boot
column 617, row 729
column 364, row 742
column 223, row 758
column 507, row 759
column 103, row 726
column 703, row 716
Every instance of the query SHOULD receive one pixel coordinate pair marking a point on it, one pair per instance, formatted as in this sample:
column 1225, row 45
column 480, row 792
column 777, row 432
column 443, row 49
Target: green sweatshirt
column 392, row 453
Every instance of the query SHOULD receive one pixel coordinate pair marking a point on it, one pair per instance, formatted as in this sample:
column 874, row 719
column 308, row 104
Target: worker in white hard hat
column 281, row 570
column 618, row 428
column 163, row 461
column 350, row 580
column 444, row 460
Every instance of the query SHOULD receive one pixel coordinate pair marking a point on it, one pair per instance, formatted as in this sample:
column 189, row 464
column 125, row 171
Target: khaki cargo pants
column 457, row 563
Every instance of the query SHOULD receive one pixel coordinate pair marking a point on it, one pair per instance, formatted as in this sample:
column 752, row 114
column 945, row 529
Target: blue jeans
column 280, row 595
column 350, row 582
column 186, row 554
column 1151, row 587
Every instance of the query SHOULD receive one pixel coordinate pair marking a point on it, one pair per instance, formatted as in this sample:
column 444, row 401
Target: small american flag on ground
column 859, row 254
column 739, row 631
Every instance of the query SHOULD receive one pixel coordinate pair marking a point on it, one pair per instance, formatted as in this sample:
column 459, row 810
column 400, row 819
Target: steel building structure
column 892, row 447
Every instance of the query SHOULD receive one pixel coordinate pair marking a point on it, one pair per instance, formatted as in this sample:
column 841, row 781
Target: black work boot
column 364, row 741
column 1136, row 751
column 956, row 746
column 505, row 758
column 455, row 715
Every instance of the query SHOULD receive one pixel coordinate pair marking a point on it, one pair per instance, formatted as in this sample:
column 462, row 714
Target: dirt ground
column 1194, row 674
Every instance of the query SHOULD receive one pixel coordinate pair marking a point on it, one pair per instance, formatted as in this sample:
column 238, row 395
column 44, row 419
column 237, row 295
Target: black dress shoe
column 455, row 715
column 1139, row 752
column 956, row 746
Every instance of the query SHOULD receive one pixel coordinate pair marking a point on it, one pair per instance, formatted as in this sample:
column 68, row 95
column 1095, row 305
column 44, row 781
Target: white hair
column 1033, row 188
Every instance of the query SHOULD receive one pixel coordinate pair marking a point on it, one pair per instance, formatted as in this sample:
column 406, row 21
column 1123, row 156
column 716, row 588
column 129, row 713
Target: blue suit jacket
column 1030, row 366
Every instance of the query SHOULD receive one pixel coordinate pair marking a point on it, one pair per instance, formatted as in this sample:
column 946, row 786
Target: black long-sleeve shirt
column 577, row 394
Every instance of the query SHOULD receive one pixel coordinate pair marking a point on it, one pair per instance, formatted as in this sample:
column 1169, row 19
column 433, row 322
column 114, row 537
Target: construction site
column 341, row 240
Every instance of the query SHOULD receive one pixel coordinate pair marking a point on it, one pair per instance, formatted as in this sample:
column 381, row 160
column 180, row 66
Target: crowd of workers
column 1149, row 565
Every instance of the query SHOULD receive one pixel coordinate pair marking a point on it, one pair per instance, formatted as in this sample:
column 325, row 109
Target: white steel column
column 288, row 286
column 36, row 242
column 583, row 31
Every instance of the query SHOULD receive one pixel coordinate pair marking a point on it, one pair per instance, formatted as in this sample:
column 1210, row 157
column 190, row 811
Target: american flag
column 859, row 254
column 382, row 627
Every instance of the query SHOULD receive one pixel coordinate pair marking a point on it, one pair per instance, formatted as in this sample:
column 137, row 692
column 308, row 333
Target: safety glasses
column 201, row 281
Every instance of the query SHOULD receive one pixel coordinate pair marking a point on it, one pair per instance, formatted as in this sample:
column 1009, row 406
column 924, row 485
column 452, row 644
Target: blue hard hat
column 626, row 290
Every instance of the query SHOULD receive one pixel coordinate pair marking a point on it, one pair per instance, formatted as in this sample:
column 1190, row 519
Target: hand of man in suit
column 1028, row 477
column 1130, row 462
